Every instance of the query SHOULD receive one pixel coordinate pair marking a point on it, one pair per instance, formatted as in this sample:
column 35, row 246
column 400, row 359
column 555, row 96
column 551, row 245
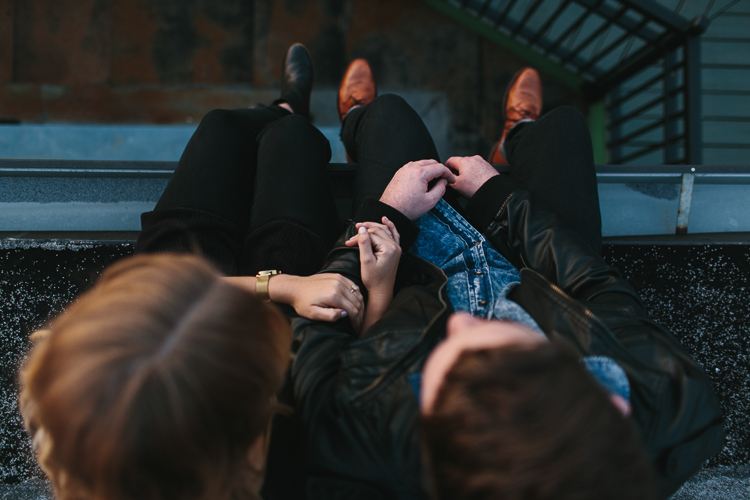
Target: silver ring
column 354, row 288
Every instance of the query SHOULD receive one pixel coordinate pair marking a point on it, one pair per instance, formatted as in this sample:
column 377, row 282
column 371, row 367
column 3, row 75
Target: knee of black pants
column 218, row 119
column 296, row 135
column 393, row 107
column 566, row 120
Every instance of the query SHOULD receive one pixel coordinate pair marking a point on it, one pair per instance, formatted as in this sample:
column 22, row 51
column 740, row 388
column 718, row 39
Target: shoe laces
column 523, row 113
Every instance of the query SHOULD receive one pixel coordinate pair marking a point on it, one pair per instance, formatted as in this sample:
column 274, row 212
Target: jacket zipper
column 587, row 312
column 495, row 222
column 382, row 376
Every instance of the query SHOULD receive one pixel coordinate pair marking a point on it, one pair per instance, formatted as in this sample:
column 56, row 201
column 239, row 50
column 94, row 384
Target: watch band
column 261, row 283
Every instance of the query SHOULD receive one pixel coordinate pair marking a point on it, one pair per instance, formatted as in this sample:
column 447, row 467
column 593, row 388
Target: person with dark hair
column 548, row 383
column 507, row 415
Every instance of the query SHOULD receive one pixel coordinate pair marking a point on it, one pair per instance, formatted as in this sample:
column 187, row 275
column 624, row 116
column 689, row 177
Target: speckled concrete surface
column 37, row 280
column 68, row 189
column 702, row 294
column 699, row 292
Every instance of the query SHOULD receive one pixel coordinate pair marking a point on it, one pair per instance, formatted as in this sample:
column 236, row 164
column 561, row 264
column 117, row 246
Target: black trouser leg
column 292, row 180
column 553, row 159
column 216, row 172
column 382, row 137
column 240, row 169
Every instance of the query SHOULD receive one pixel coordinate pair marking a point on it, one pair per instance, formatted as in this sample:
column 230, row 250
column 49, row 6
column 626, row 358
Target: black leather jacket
column 361, row 413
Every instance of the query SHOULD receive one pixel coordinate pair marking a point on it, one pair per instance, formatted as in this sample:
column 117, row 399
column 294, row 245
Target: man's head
column 507, row 414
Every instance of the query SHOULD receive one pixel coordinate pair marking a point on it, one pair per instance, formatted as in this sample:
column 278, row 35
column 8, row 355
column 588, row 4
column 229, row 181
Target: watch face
column 270, row 272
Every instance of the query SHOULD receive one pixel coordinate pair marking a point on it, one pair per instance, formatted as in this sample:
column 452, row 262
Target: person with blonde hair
column 158, row 383
column 162, row 381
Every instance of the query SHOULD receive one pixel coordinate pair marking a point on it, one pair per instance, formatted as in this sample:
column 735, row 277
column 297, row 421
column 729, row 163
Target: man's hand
column 473, row 172
column 410, row 192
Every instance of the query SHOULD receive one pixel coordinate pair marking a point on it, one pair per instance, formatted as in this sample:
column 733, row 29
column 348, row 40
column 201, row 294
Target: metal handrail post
column 693, row 122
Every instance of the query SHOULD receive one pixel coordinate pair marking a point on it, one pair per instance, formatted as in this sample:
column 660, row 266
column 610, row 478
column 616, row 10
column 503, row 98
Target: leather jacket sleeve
column 573, row 294
column 352, row 393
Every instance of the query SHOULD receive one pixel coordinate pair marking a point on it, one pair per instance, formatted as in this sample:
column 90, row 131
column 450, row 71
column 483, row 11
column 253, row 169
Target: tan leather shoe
column 357, row 87
column 522, row 100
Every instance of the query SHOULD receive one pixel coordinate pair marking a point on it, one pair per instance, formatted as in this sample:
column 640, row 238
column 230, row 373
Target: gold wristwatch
column 261, row 284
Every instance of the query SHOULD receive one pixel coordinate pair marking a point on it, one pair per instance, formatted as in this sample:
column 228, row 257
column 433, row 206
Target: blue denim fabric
column 479, row 280
column 609, row 375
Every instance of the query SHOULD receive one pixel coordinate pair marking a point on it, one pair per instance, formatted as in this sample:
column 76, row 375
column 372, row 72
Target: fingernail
column 343, row 314
column 362, row 230
column 386, row 218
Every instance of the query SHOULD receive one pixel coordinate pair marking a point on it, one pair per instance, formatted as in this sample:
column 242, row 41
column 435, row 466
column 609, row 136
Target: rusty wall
column 171, row 61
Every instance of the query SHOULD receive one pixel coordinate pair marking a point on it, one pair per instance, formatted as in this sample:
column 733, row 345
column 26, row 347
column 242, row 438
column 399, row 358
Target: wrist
column 281, row 288
column 379, row 293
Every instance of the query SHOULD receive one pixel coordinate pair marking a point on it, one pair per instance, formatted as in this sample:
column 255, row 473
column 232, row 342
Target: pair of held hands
column 414, row 190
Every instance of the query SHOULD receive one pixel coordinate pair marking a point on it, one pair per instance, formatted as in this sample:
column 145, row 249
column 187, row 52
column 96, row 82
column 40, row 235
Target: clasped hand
column 417, row 186
column 379, row 254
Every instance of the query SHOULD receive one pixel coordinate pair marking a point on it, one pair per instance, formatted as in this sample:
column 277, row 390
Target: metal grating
column 638, row 57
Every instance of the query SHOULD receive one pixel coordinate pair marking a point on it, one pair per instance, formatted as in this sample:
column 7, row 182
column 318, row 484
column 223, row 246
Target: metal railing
column 638, row 57
column 685, row 175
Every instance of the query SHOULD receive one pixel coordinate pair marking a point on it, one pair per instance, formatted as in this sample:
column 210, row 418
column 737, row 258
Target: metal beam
column 686, row 197
column 704, row 174
column 693, row 122
column 597, row 121
column 534, row 58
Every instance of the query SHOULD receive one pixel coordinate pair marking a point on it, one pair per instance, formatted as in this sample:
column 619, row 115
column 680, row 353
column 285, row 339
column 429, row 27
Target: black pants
column 552, row 158
column 250, row 192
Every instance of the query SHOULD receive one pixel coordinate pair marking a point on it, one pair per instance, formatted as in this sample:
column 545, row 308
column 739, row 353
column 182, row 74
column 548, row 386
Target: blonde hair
column 155, row 384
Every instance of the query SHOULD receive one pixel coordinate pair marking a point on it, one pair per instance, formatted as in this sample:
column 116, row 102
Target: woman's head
column 155, row 384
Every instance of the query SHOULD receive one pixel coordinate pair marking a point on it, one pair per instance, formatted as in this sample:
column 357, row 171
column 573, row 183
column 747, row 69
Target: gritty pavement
column 699, row 292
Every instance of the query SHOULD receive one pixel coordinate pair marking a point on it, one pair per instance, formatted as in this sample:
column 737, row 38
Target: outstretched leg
column 206, row 206
column 381, row 134
column 382, row 137
column 294, row 219
column 553, row 158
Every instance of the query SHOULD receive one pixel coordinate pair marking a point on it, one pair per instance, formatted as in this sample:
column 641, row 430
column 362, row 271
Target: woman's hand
column 320, row 297
column 379, row 254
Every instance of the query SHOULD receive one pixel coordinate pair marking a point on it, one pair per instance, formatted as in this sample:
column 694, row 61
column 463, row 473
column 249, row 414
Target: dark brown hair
column 155, row 384
column 527, row 422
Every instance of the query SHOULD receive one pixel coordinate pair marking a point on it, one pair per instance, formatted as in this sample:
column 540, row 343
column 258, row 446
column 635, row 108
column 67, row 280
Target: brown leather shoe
column 357, row 87
column 522, row 100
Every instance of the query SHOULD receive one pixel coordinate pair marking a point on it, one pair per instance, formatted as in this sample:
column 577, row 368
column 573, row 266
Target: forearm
column 377, row 305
